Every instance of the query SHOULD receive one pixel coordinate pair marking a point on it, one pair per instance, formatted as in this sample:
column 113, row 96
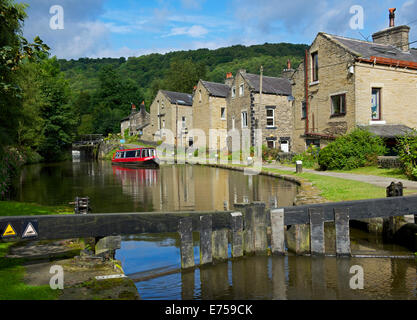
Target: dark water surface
column 153, row 260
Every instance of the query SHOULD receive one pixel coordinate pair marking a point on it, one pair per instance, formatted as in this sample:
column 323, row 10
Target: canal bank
column 25, row 266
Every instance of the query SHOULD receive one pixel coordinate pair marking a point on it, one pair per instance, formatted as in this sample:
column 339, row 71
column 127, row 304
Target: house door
column 285, row 146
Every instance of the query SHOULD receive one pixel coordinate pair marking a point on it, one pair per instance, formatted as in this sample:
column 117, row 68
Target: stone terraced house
column 269, row 109
column 173, row 111
column 136, row 122
column 344, row 83
column 210, row 112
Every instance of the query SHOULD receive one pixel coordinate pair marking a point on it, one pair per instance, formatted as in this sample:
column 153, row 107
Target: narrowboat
column 138, row 157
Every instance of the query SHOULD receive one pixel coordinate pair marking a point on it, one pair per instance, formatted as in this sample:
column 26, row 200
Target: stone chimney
column 288, row 72
column 229, row 79
column 394, row 36
column 142, row 107
column 133, row 108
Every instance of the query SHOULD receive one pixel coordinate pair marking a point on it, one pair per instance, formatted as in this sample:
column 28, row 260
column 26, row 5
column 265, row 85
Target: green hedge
column 357, row 149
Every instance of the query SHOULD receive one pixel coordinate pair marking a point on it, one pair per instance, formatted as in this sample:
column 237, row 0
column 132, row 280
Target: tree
column 59, row 120
column 13, row 50
column 183, row 75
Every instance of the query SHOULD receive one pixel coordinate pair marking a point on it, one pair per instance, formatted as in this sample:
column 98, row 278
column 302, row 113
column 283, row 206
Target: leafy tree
column 59, row 120
column 13, row 49
column 183, row 75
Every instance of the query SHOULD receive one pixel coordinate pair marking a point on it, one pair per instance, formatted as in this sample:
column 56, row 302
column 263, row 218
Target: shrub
column 357, row 149
column 308, row 157
column 407, row 151
column 10, row 162
column 269, row 153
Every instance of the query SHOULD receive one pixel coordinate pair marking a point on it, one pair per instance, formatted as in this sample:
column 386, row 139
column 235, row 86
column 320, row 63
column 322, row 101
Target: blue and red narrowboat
column 138, row 157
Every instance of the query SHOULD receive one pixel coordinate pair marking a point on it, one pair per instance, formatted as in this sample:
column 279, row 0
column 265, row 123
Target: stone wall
column 207, row 115
column 333, row 79
column 398, row 94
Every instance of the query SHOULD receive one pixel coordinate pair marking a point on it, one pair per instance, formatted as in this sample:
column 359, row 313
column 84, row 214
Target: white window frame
column 241, row 90
column 233, row 91
column 223, row 114
column 273, row 143
column 270, row 117
column 184, row 120
column 244, row 118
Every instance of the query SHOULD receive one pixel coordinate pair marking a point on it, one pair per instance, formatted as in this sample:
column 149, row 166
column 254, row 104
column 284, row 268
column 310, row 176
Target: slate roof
column 184, row 99
column 366, row 49
column 270, row 85
column 216, row 89
column 388, row 130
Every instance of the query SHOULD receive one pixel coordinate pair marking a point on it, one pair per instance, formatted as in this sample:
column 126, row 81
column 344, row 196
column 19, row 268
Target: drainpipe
column 306, row 89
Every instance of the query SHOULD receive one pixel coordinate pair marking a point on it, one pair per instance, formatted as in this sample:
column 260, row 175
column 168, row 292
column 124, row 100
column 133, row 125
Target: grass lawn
column 336, row 189
column 14, row 208
column 12, row 271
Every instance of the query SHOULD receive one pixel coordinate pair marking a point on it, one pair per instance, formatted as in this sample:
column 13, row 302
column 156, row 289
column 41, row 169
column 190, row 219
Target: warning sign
column 29, row 231
column 9, row 231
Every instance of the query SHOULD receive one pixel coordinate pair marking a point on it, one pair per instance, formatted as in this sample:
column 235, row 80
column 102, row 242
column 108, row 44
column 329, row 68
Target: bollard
column 391, row 224
column 185, row 229
column 299, row 166
column 237, row 234
column 206, row 239
column 277, row 231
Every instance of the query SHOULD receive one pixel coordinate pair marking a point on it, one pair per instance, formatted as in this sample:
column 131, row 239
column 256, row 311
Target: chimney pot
column 392, row 17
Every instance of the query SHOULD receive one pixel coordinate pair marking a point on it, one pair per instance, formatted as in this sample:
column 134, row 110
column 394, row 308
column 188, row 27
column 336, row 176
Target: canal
column 152, row 260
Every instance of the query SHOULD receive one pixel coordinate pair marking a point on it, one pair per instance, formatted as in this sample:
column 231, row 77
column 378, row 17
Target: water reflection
column 293, row 278
column 170, row 188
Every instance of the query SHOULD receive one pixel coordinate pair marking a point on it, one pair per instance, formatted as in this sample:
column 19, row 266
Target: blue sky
column 110, row 28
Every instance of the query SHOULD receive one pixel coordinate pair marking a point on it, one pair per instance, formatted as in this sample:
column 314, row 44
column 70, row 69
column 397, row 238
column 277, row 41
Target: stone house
column 173, row 111
column 210, row 112
column 268, row 109
column 136, row 121
column 344, row 83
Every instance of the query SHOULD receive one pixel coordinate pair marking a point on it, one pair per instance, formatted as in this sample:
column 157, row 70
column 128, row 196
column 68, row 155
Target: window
column 163, row 123
column 163, row 105
column 233, row 123
column 117, row 155
column 270, row 118
column 130, row 154
column 244, row 119
column 314, row 142
column 241, row 90
column 223, row 113
column 183, row 122
column 145, row 153
column 303, row 110
column 137, row 153
column 270, row 144
column 338, row 104
column 315, row 66
column 233, row 92
column 199, row 93
column 122, row 155
column 376, row 104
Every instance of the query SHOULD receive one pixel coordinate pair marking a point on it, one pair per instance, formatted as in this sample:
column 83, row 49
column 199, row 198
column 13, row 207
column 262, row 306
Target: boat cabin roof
column 121, row 150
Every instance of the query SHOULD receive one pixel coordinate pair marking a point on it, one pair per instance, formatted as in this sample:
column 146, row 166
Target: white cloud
column 195, row 31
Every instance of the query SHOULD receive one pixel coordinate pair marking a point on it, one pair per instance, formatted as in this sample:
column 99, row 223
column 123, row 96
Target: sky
column 111, row 28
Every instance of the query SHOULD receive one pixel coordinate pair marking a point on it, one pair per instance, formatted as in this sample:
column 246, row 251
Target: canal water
column 154, row 260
